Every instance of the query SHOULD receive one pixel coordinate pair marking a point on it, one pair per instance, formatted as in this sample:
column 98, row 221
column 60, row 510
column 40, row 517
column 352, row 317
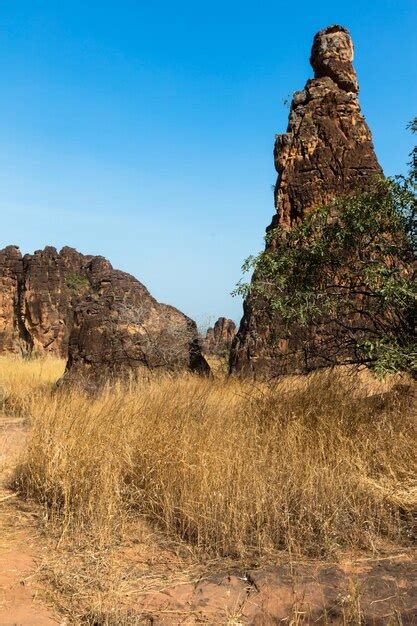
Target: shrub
column 77, row 282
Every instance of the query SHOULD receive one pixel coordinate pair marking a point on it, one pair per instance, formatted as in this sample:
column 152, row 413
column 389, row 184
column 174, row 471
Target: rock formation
column 119, row 329
column 36, row 297
column 12, row 336
column 69, row 304
column 52, row 282
column 326, row 152
column 219, row 338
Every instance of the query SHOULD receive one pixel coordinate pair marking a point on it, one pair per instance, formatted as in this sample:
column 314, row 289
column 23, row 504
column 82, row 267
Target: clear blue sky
column 143, row 131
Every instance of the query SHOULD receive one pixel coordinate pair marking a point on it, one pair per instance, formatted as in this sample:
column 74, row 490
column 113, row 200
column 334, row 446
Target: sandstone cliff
column 326, row 152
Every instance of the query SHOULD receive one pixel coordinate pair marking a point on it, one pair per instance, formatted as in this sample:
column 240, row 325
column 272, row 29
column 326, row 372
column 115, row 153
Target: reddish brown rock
column 12, row 338
column 107, row 323
column 52, row 283
column 219, row 338
column 119, row 329
column 36, row 299
column 327, row 152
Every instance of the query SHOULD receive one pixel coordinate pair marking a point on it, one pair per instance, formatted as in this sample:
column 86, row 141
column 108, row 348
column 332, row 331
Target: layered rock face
column 107, row 323
column 219, row 338
column 327, row 152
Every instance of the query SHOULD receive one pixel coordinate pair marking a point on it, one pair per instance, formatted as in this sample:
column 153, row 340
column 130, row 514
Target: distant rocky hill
column 107, row 323
column 219, row 338
column 327, row 152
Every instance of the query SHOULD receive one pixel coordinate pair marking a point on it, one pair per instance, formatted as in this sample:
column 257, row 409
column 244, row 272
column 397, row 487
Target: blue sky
column 143, row 131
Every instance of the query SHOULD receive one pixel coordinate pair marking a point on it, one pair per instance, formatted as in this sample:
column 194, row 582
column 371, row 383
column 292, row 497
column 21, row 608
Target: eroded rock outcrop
column 52, row 282
column 36, row 299
column 327, row 152
column 12, row 338
column 107, row 323
column 119, row 329
column 219, row 338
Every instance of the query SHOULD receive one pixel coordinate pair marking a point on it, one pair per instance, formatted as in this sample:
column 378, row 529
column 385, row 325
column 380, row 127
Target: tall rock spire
column 327, row 152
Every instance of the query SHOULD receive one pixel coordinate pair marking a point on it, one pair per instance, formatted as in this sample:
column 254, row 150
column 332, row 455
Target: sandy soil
column 20, row 550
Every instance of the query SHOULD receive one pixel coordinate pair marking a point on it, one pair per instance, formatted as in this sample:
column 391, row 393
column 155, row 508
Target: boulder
column 120, row 330
column 37, row 293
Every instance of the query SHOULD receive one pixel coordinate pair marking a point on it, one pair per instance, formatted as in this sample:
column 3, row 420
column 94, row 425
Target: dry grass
column 21, row 380
column 310, row 466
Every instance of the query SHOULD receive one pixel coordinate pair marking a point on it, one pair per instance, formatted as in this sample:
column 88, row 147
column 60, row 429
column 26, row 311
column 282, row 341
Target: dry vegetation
column 312, row 465
column 165, row 482
column 22, row 381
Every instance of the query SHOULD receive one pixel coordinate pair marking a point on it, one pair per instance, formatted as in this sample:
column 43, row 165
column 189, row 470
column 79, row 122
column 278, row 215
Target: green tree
column 347, row 271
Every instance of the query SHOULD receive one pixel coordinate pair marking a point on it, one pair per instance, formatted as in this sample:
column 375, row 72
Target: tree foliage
column 349, row 266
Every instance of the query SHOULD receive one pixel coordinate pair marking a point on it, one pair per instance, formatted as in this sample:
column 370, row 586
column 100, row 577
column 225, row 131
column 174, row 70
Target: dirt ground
column 365, row 590
column 19, row 550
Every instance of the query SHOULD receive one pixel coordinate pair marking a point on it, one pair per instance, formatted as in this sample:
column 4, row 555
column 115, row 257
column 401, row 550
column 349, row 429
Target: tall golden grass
column 21, row 380
column 310, row 465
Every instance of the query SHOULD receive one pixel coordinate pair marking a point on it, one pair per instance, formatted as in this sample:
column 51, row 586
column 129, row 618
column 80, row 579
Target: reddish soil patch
column 19, row 603
column 379, row 592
